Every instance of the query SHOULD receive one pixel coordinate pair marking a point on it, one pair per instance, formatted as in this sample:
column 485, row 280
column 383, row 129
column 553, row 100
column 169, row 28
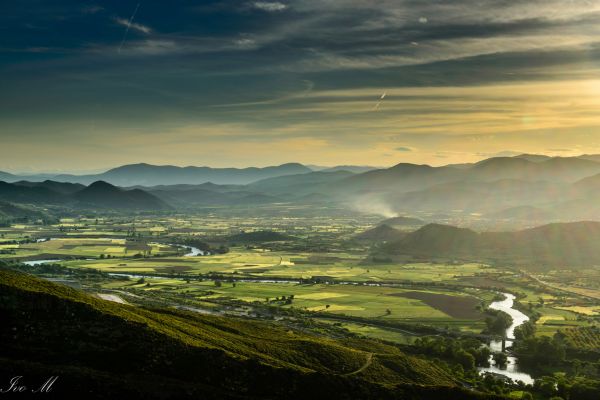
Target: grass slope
column 102, row 349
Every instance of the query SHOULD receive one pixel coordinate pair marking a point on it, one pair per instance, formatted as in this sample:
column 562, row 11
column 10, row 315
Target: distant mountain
column 565, row 169
column 402, row 177
column 381, row 233
column 6, row 177
column 588, row 185
column 557, row 244
column 523, row 213
column 478, row 196
column 533, row 157
column 152, row 175
column 104, row 195
column 591, row 157
column 299, row 185
column 355, row 169
column 59, row 187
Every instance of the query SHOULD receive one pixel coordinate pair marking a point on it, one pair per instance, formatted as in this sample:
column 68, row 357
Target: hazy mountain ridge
column 153, row 175
column 560, row 188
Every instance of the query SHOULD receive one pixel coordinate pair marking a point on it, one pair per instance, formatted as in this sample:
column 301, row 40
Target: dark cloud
column 247, row 62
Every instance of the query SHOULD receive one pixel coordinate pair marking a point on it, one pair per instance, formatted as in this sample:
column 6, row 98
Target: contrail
column 379, row 101
column 128, row 26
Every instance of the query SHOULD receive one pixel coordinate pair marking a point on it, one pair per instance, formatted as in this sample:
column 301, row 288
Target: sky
column 88, row 85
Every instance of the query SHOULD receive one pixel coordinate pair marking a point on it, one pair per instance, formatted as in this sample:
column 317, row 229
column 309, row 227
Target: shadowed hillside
column 101, row 348
column 99, row 195
column 559, row 244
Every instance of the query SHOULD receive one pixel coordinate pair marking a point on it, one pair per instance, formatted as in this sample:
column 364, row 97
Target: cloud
column 245, row 43
column 91, row 9
column 404, row 149
column 133, row 25
column 270, row 6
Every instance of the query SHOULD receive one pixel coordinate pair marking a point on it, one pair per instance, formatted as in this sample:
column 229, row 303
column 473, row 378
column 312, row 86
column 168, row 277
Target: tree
column 500, row 358
column 465, row 359
column 525, row 330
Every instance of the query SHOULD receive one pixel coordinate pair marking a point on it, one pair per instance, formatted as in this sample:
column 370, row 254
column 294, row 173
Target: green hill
column 104, row 195
column 101, row 349
column 559, row 244
column 10, row 211
column 381, row 233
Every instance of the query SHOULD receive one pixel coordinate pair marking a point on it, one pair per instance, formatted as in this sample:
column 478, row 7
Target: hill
column 11, row 212
column 104, row 195
column 97, row 195
column 101, row 349
column 559, row 244
column 381, row 233
column 30, row 195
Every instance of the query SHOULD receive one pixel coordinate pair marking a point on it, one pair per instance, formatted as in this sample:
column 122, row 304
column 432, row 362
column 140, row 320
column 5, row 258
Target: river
column 511, row 370
column 39, row 262
column 192, row 251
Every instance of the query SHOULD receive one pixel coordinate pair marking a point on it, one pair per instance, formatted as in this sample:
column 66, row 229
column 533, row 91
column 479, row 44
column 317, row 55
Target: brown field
column 462, row 307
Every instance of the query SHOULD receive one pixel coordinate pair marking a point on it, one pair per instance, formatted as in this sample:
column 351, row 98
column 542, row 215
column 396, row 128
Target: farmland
column 319, row 271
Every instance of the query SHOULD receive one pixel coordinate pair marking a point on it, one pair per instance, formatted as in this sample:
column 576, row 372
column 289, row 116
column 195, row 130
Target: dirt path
column 111, row 297
column 366, row 365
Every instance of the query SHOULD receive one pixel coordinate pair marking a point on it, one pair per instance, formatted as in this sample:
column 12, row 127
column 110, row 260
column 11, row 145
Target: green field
column 266, row 275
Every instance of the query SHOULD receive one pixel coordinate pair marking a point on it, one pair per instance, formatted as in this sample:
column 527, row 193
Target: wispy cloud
column 91, row 9
column 270, row 6
column 133, row 25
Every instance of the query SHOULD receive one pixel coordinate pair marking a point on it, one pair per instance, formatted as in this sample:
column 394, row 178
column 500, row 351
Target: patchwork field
column 343, row 281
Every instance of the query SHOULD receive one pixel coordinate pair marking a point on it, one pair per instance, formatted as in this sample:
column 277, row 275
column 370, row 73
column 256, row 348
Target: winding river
column 511, row 369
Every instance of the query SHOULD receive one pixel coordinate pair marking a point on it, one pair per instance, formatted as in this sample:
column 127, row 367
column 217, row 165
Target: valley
column 299, row 271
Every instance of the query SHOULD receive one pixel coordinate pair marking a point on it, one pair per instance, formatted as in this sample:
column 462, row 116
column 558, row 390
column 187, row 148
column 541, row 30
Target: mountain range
column 152, row 175
column 528, row 187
